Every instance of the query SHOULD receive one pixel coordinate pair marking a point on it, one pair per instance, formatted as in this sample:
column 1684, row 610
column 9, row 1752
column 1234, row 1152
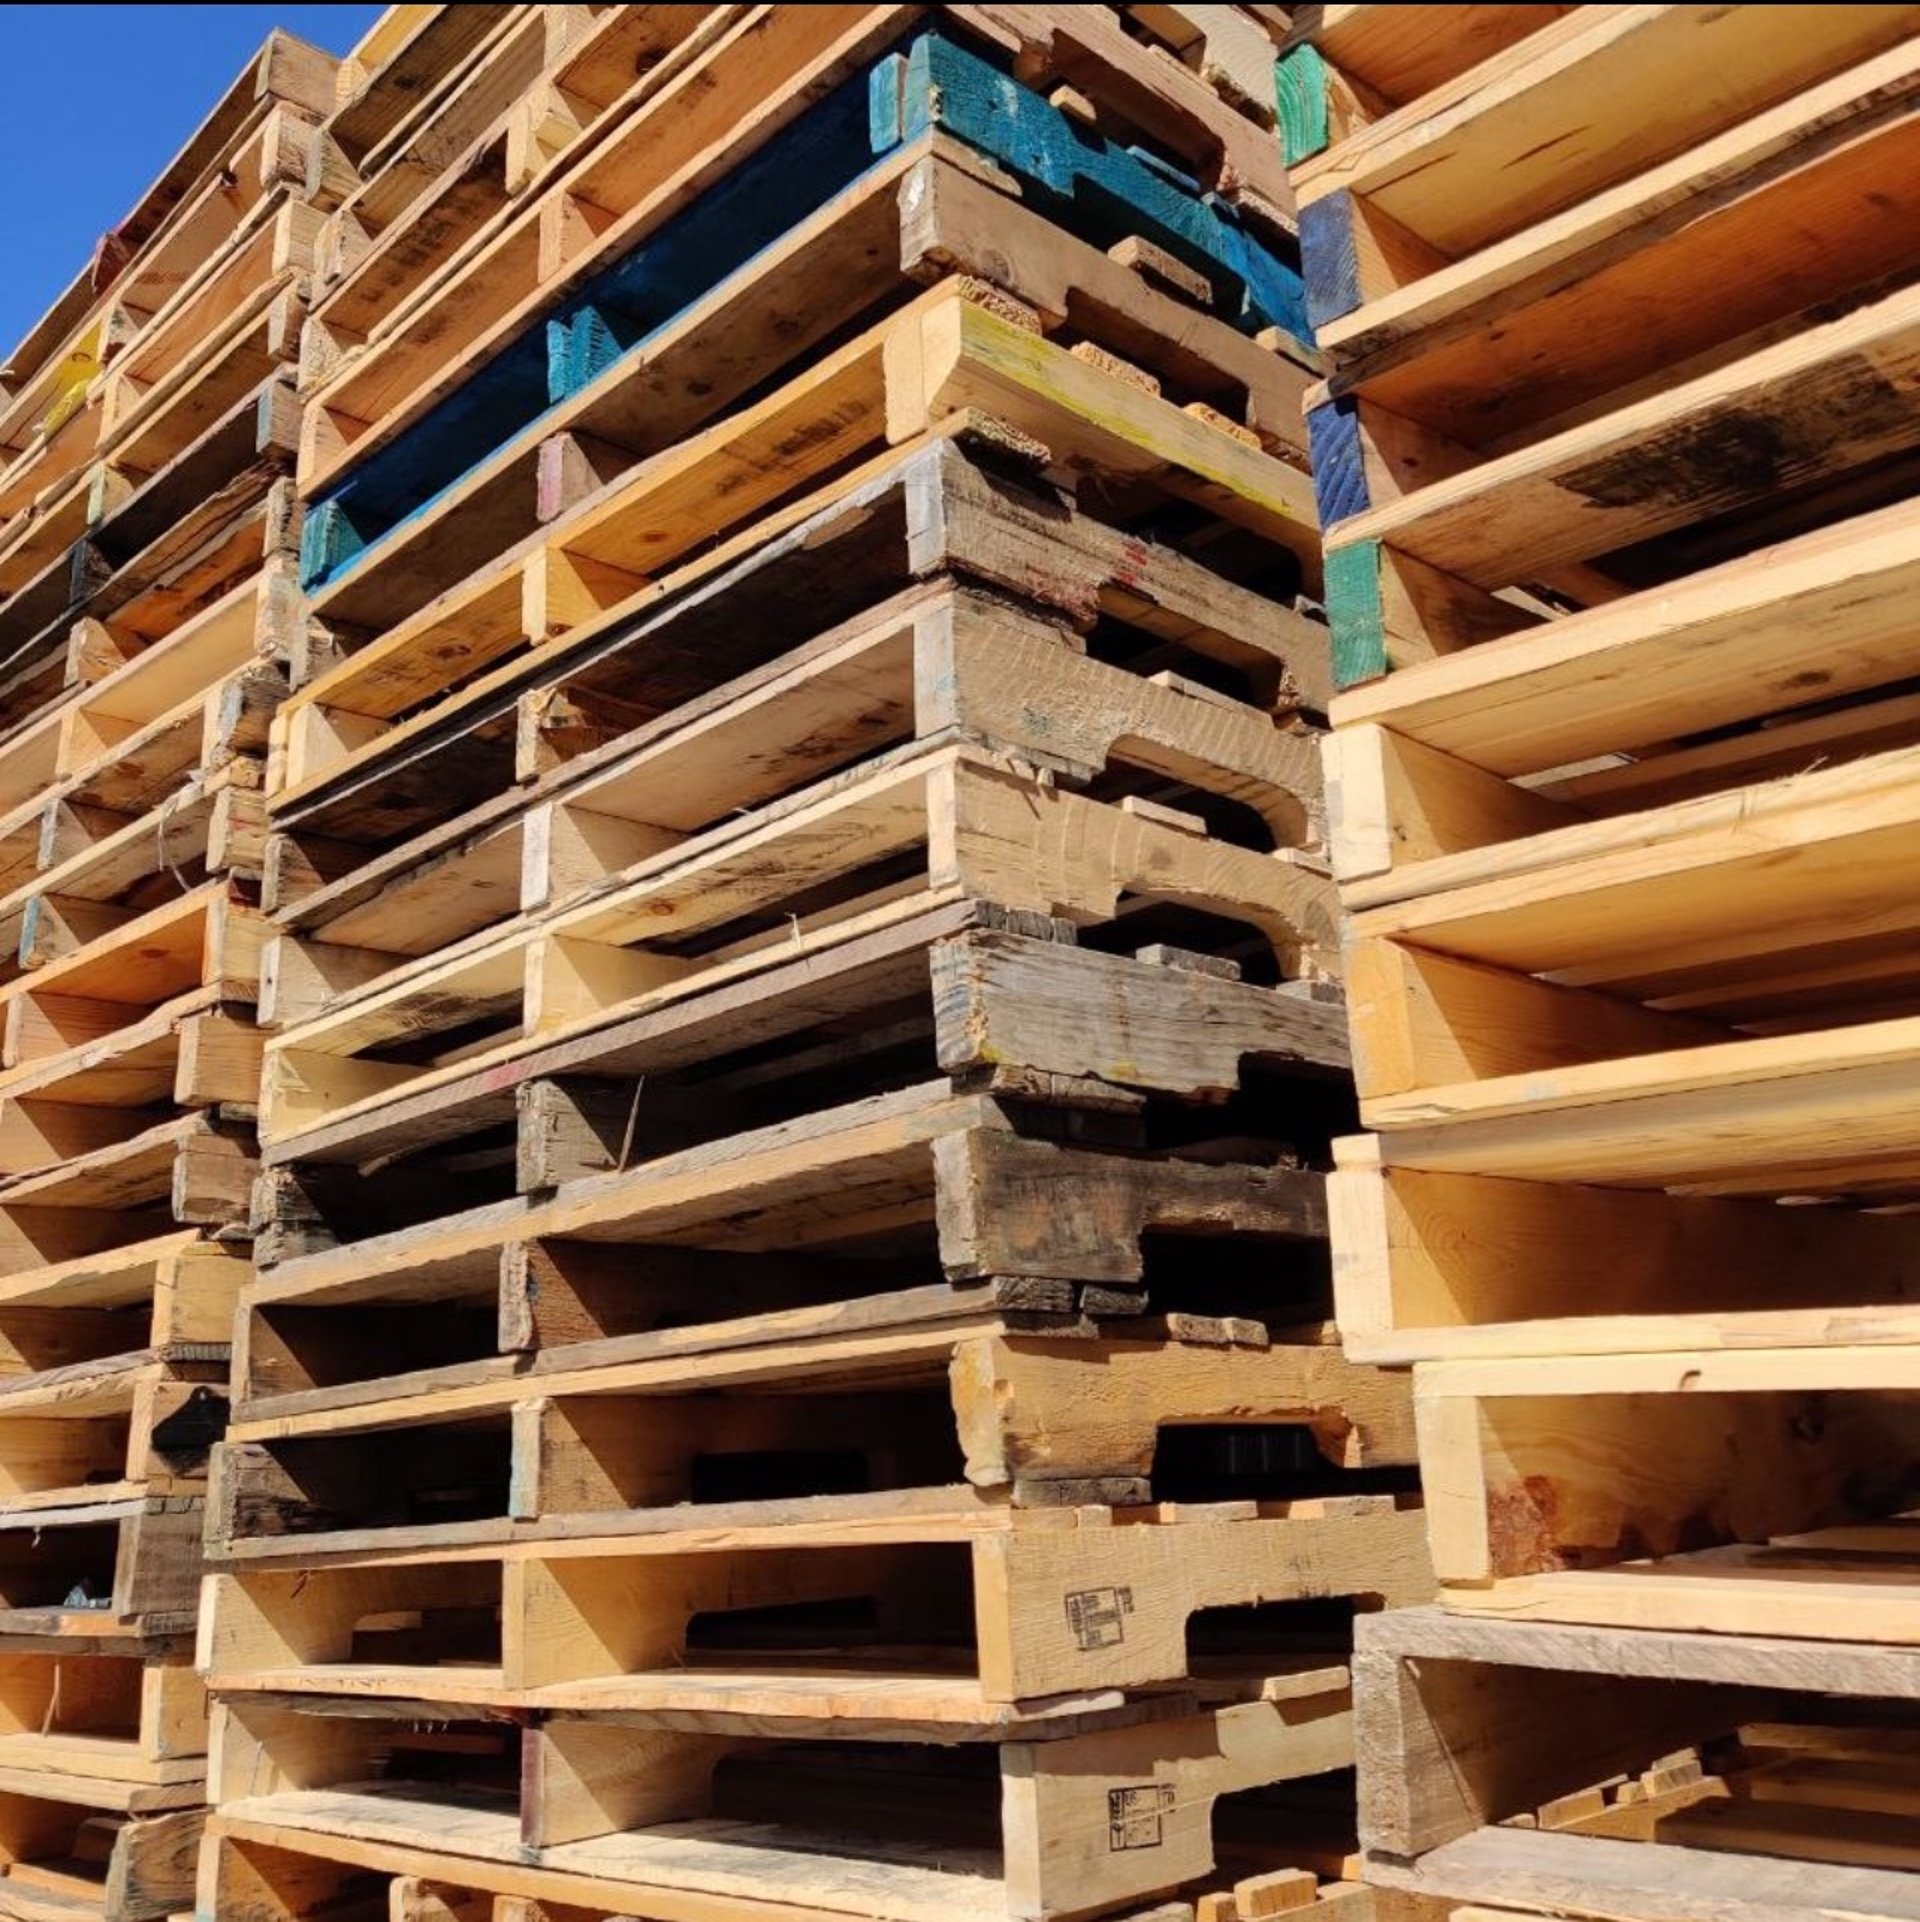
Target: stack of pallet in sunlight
column 148, row 599
column 1616, row 454
column 788, row 1367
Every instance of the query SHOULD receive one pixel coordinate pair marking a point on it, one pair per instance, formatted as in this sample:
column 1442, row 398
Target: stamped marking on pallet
column 1136, row 1816
column 1098, row 1616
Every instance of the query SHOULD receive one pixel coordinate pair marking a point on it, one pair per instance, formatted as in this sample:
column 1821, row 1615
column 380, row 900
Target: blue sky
column 102, row 98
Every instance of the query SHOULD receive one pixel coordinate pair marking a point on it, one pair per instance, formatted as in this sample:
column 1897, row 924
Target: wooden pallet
column 251, row 147
column 76, row 1852
column 192, row 1169
column 1562, row 286
column 113, row 1576
column 133, row 430
column 410, row 204
column 90, row 1710
column 384, row 783
column 1545, row 120
column 1763, row 907
column 675, row 1821
column 190, row 534
column 173, row 1295
column 285, row 1874
column 653, row 468
column 538, row 1306
column 1501, row 1743
column 115, row 1352
column 958, row 824
column 124, row 1010
column 1698, row 688
column 889, row 1422
column 1437, row 1263
column 687, row 137
column 942, row 219
column 1539, row 511
column 888, row 1176
column 1537, row 293
column 1622, row 1490
column 935, row 662
column 1015, row 1004
column 96, row 869
column 1015, row 1604
column 1569, row 87
column 98, row 1431
column 130, row 723
column 932, row 664
column 1466, row 927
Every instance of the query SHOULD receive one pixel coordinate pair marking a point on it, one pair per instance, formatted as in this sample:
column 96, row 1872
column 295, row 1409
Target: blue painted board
column 1328, row 257
column 683, row 260
column 1339, row 467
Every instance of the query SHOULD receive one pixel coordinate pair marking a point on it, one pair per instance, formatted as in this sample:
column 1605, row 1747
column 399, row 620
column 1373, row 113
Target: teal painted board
column 1300, row 82
column 1355, row 614
column 1090, row 183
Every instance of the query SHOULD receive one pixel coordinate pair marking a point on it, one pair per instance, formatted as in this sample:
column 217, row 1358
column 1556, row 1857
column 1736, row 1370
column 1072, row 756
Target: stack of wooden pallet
column 1618, row 458
column 148, row 590
column 788, row 1369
